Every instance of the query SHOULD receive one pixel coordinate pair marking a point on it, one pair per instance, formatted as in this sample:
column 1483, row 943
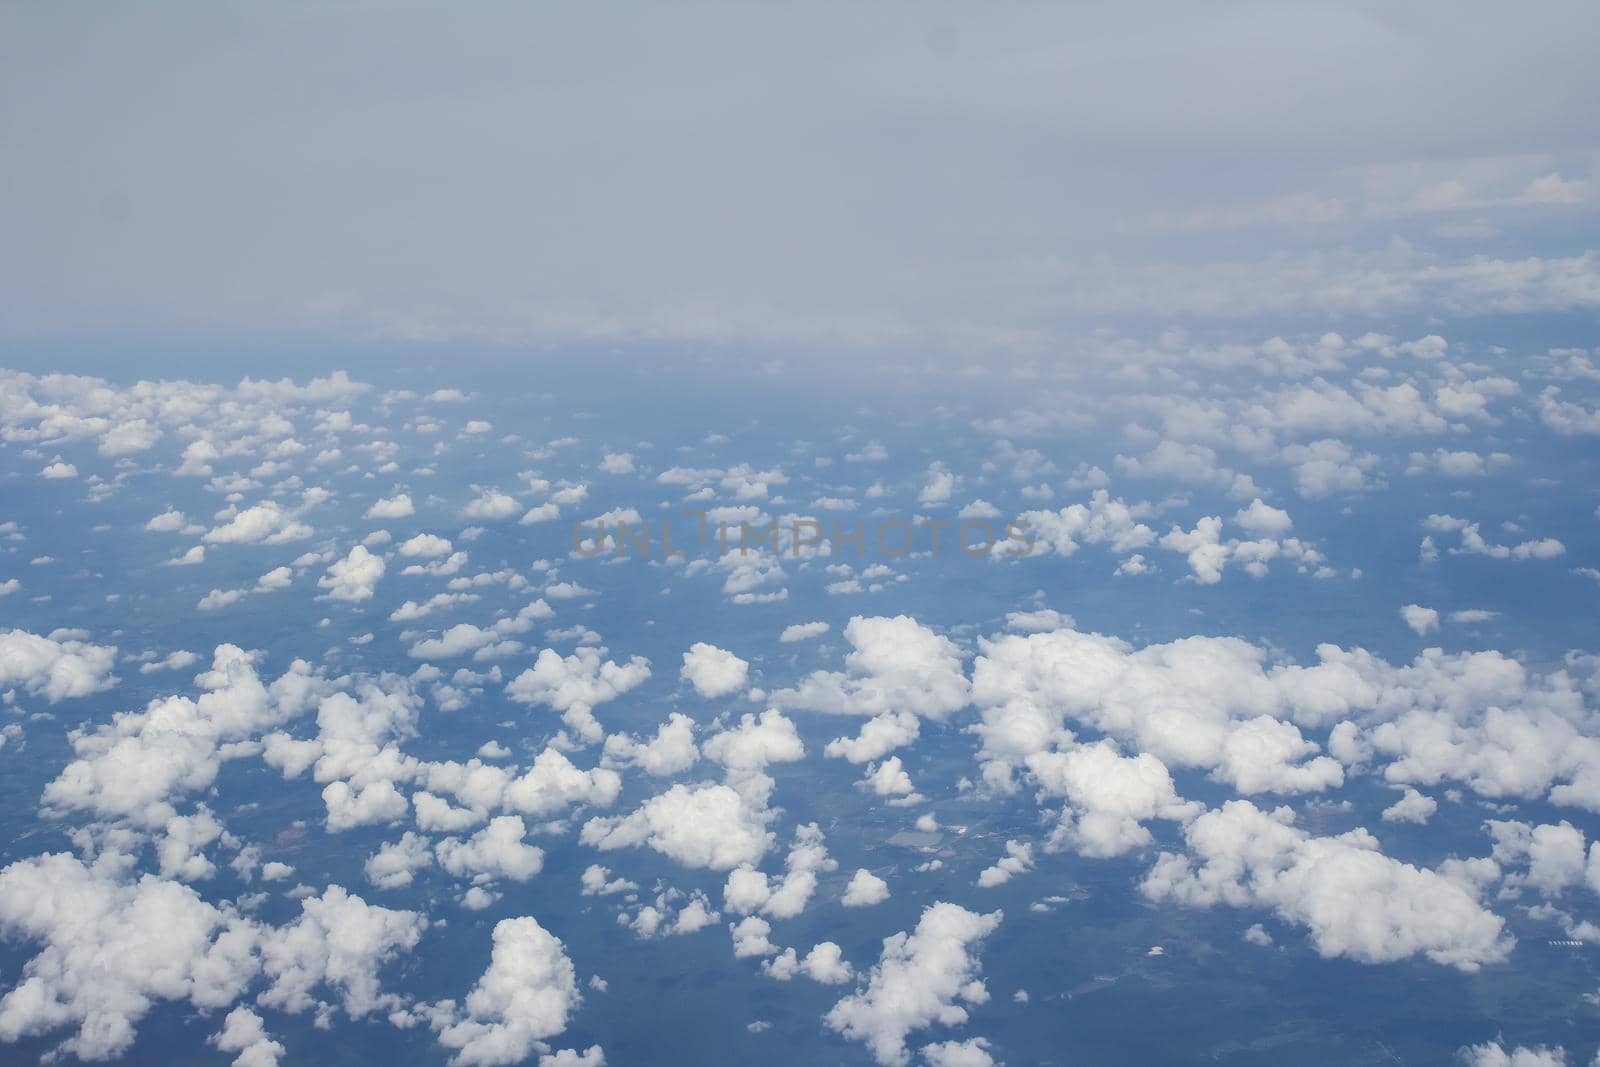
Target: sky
column 873, row 177
column 871, row 534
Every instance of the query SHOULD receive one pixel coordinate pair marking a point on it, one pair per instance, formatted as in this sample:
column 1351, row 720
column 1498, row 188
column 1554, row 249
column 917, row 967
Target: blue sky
column 342, row 343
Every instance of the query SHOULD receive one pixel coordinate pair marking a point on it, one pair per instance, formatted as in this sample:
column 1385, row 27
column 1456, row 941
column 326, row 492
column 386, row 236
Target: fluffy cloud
column 426, row 546
column 865, row 889
column 398, row 506
column 700, row 826
column 879, row 736
column 485, row 642
column 745, row 750
column 574, row 684
column 353, row 578
column 1264, row 520
column 243, row 1032
column 134, row 766
column 1411, row 807
column 802, row 631
column 496, row 851
column 110, row 950
column 1109, row 797
column 264, row 523
column 341, row 942
column 1102, row 521
column 670, row 752
column 1355, row 901
column 395, row 864
column 1196, row 702
column 1422, row 620
column 897, row 664
column 1017, row 860
column 749, row 890
column 713, row 672
column 56, row 667
column 491, row 504
column 1494, row 1054
column 918, row 981
column 527, row 994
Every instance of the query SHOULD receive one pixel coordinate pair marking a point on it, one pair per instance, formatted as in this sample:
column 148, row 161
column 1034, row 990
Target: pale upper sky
column 975, row 177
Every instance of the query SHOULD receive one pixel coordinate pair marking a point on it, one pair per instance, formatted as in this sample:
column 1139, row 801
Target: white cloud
column 264, row 523
column 169, row 521
column 920, row 979
column 670, row 752
column 55, row 669
column 939, row 488
column 1017, row 860
column 973, row 1052
column 496, row 851
column 526, row 995
column 243, row 1032
column 897, row 664
column 353, row 578
column 575, row 684
column 713, row 672
column 1264, row 519
column 395, row 863
column 825, row 963
column 865, row 889
column 699, row 826
column 426, row 546
column 367, row 805
column 802, row 631
column 879, row 736
column 1411, row 807
column 1108, row 795
column 1422, row 620
column 1494, row 1054
column 491, row 504
column 1356, row 902
column 339, row 941
column 398, row 506
column 98, row 969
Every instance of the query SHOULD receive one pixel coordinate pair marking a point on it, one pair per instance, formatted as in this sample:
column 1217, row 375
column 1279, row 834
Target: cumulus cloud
column 496, row 851
column 425, row 546
column 264, row 523
column 526, row 995
column 896, row 664
column 1196, row 702
column 1017, row 860
column 575, row 684
column 1422, row 620
column 1109, row 798
column 340, row 942
column 492, row 505
column 713, row 672
column 352, row 578
column 922, row 978
column 802, row 631
column 1411, row 807
column 1494, row 1054
column 136, row 765
column 865, row 889
column 99, row 970
column 709, row 826
column 1355, row 901
column 244, row 1032
column 57, row 667
column 398, row 506
column 671, row 751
